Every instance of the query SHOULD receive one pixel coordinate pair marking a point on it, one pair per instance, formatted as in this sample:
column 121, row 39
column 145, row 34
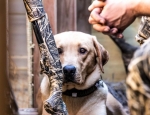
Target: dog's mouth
column 67, row 80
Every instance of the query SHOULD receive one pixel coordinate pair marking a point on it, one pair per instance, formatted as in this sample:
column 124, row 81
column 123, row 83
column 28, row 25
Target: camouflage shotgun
column 50, row 62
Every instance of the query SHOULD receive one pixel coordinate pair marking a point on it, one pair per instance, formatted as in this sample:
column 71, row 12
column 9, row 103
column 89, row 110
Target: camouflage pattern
column 138, row 81
column 50, row 62
column 34, row 9
column 144, row 30
column 54, row 105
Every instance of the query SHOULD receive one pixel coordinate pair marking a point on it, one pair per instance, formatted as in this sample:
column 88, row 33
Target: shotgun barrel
column 50, row 61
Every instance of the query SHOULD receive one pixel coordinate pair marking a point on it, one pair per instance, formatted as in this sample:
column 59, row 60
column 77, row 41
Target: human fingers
column 119, row 35
column 92, row 21
column 113, row 30
column 101, row 28
column 95, row 15
column 96, row 4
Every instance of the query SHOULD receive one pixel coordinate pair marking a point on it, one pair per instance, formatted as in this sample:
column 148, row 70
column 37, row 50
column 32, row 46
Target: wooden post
column 7, row 101
column 36, row 68
column 29, row 60
column 83, row 16
column 2, row 55
column 66, row 15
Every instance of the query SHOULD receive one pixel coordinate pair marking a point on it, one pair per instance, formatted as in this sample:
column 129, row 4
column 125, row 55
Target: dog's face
column 79, row 55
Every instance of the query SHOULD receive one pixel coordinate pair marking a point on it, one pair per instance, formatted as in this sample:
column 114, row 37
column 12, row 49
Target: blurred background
column 64, row 15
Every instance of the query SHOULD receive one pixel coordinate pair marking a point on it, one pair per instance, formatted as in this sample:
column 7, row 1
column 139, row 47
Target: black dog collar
column 81, row 93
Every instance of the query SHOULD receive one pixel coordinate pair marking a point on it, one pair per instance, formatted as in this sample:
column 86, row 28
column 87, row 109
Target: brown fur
column 88, row 68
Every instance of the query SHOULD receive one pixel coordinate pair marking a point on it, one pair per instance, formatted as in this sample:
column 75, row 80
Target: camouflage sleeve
column 144, row 30
column 138, row 81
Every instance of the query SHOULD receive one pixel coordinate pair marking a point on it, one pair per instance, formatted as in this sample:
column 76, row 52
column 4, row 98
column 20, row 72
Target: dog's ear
column 101, row 53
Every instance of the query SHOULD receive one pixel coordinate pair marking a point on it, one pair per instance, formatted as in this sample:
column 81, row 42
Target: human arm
column 142, row 8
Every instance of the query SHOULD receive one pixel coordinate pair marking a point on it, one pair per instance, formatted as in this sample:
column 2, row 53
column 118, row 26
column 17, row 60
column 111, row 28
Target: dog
column 84, row 93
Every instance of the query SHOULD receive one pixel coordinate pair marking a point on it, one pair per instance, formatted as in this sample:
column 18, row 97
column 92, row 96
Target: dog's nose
column 69, row 70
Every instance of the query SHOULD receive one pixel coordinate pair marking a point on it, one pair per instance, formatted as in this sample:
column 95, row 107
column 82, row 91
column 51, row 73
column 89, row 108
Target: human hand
column 98, row 23
column 112, row 17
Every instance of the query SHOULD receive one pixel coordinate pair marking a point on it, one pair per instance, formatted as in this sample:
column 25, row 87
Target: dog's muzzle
column 69, row 73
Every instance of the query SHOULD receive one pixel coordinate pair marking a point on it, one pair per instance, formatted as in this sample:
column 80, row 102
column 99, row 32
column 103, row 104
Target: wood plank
column 18, row 45
column 28, row 111
column 16, row 7
column 3, row 56
column 19, row 62
column 5, row 87
column 20, row 85
column 36, row 68
column 51, row 10
column 83, row 15
column 19, row 57
column 17, row 35
column 66, row 15
column 17, row 25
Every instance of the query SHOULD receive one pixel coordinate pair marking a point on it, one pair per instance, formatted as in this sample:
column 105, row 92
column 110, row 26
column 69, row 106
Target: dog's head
column 82, row 58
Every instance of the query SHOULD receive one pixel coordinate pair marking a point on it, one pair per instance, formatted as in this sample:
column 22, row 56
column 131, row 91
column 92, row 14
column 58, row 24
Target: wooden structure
column 28, row 111
column 3, row 54
column 20, row 53
column 8, row 104
column 68, row 15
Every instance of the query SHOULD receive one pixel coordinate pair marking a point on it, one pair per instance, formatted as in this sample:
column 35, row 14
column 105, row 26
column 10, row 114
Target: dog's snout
column 69, row 70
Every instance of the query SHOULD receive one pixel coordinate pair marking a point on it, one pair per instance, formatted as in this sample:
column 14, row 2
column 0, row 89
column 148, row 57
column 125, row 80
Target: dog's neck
column 89, row 81
column 81, row 93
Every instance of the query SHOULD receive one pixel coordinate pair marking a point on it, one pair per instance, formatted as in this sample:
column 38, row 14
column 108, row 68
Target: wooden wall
column 18, row 51
column 68, row 15
column 82, row 16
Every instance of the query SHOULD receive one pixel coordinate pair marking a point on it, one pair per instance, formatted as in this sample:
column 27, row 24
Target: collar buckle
column 99, row 84
column 74, row 94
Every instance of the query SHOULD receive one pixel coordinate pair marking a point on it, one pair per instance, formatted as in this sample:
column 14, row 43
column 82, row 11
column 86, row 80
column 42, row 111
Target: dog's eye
column 60, row 51
column 82, row 50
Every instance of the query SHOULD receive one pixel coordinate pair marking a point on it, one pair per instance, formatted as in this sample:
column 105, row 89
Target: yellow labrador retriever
column 82, row 58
